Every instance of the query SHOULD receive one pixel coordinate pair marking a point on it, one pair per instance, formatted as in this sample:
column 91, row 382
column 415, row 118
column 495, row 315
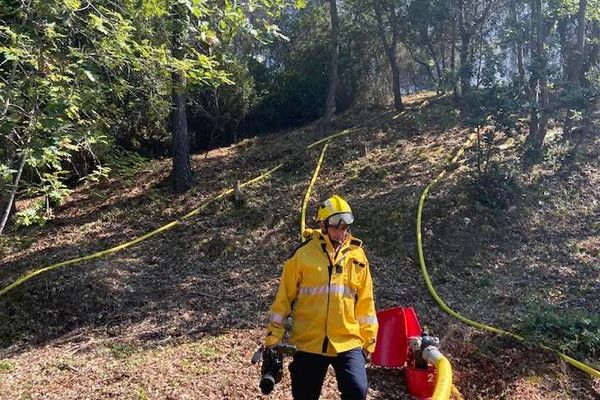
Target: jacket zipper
column 330, row 271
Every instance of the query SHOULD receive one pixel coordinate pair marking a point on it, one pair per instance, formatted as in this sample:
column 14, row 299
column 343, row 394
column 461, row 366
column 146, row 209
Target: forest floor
column 179, row 316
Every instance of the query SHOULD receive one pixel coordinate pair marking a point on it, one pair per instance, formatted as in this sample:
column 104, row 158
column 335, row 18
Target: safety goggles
column 337, row 219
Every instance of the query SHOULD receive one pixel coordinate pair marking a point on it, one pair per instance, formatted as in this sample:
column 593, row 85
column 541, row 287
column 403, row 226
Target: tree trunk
column 520, row 66
column 13, row 192
column 453, row 54
column 453, row 46
column 478, row 56
column 398, row 106
column 579, row 49
column 468, row 23
column 443, row 51
column 566, row 49
column 538, row 84
column 592, row 49
column 574, row 57
column 517, row 45
column 465, row 63
column 438, row 67
column 333, row 70
column 465, row 40
column 182, row 170
column 390, row 50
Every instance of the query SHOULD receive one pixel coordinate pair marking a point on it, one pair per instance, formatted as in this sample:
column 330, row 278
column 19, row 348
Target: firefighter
column 326, row 287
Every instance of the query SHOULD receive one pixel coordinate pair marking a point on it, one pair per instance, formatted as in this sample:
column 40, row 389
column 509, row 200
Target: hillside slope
column 178, row 316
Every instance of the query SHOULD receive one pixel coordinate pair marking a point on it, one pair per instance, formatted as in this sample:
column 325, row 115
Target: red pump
column 400, row 341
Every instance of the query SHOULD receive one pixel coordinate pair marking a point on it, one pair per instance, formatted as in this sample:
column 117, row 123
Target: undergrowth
column 496, row 190
column 574, row 333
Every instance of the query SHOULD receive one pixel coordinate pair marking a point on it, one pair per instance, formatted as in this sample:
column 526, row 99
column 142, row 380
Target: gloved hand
column 272, row 341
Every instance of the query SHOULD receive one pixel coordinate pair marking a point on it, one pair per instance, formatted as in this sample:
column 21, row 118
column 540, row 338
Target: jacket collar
column 324, row 239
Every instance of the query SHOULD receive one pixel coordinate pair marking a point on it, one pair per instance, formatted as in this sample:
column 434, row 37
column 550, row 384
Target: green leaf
column 72, row 4
column 6, row 173
column 97, row 22
column 11, row 53
column 89, row 75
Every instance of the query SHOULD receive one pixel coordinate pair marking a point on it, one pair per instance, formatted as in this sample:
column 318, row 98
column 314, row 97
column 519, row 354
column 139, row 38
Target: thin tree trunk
column 517, row 45
column 438, row 68
column 538, row 84
column 574, row 58
column 25, row 144
column 182, row 170
column 465, row 63
column 479, row 59
column 453, row 52
column 465, row 40
column 534, row 113
column 568, row 67
column 390, row 50
column 532, row 142
column 333, row 69
column 398, row 106
column 424, row 64
column 13, row 193
column 544, row 109
column 453, row 46
column 520, row 66
column 443, row 51
column 579, row 52
column 566, row 49
column 468, row 29
column 592, row 49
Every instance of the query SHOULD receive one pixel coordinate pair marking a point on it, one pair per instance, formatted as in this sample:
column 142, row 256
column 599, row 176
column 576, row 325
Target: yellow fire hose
column 443, row 383
column 443, row 380
column 577, row 364
column 310, row 186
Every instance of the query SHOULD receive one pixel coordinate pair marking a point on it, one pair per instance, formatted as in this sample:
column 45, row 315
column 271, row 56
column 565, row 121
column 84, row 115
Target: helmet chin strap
column 335, row 243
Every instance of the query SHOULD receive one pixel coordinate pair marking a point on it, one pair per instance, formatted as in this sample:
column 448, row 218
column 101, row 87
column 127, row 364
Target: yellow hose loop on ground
column 309, row 189
column 577, row 364
column 163, row 228
column 443, row 381
column 133, row 242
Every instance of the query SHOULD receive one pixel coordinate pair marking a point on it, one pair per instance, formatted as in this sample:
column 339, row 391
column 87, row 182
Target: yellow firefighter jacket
column 330, row 298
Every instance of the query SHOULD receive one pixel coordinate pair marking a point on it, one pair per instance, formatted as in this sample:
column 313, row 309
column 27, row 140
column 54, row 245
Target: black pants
column 308, row 373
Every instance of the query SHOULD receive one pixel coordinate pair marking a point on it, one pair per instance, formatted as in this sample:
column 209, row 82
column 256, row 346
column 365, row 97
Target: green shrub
column 575, row 333
column 497, row 189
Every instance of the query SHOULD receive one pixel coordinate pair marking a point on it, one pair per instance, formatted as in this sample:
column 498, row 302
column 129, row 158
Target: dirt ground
column 180, row 315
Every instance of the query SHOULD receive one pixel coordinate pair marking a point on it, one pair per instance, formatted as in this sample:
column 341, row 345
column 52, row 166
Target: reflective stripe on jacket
column 329, row 296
